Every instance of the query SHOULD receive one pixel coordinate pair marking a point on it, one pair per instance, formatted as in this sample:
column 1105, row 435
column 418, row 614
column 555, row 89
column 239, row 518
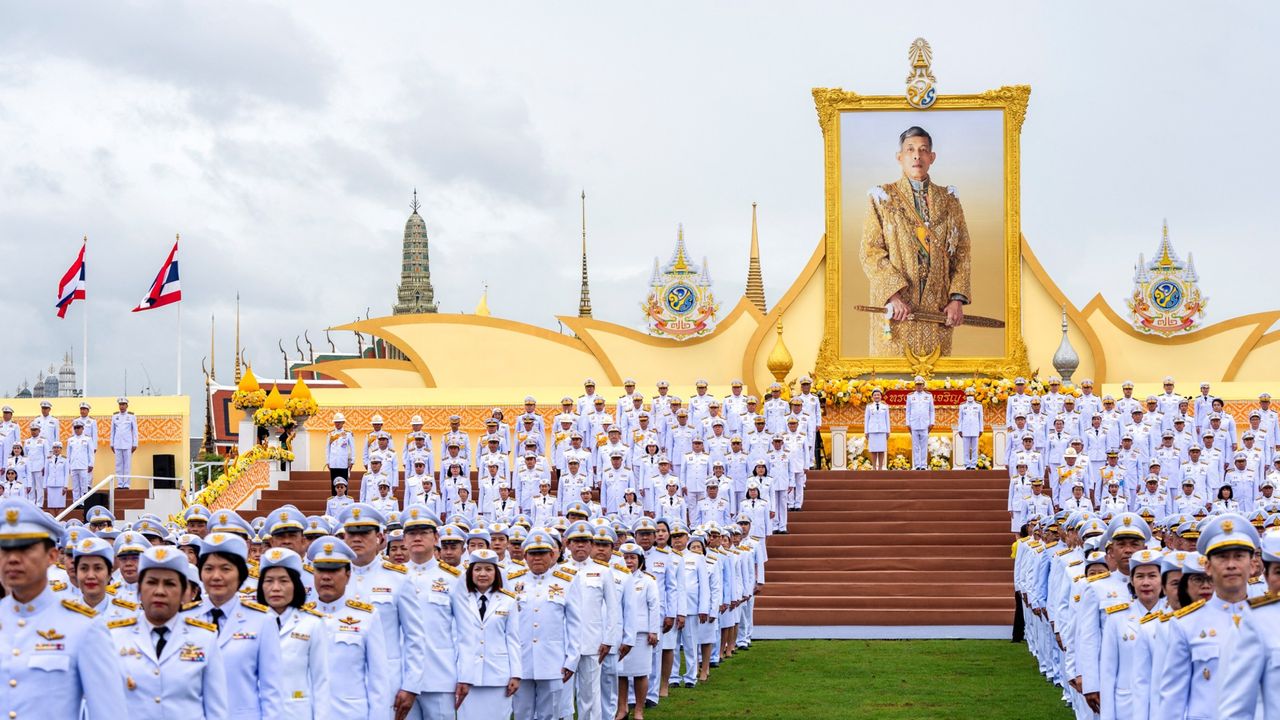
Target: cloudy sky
column 283, row 141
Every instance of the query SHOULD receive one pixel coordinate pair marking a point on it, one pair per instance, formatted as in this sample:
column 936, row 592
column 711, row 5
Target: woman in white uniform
column 304, row 665
column 875, row 425
column 487, row 630
column 247, row 634
column 642, row 618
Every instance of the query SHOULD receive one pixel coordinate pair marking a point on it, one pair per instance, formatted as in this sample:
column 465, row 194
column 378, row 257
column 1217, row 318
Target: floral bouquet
column 248, row 399
column 984, row 461
column 272, row 418
column 939, row 452
column 301, row 407
column 899, row 462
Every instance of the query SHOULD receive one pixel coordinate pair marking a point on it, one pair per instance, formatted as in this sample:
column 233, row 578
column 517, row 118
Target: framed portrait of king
column 922, row 232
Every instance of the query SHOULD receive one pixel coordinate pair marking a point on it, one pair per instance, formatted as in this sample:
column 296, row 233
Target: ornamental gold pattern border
column 830, row 103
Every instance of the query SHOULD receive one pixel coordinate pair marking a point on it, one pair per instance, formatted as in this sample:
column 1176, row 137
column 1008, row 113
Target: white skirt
column 877, row 442
column 671, row 638
column 639, row 661
column 708, row 633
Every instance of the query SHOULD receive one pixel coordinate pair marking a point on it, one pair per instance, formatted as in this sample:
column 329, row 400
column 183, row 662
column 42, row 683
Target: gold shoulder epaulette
column 1095, row 578
column 569, row 569
column 1075, row 563
column 202, row 624
column 1166, row 616
column 395, row 567
column 450, row 569
column 562, row 576
column 122, row 622
column 254, row 606
column 112, row 588
column 600, row 562
column 517, row 562
column 191, row 605
column 1117, row 608
column 663, row 550
column 1189, row 609
column 1252, row 581
column 508, row 593
column 1261, row 600
column 516, row 574
column 1053, row 544
column 360, row 605
column 124, row 604
column 622, row 568
column 651, row 577
column 57, row 585
column 312, row 611
column 1062, row 552
column 309, row 606
column 79, row 607
column 1149, row 617
column 309, row 568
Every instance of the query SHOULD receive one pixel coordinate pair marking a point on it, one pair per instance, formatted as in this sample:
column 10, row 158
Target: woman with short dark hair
column 487, row 631
column 304, row 665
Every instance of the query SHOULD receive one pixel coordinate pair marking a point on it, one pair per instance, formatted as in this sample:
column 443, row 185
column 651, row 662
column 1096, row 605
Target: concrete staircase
column 893, row 548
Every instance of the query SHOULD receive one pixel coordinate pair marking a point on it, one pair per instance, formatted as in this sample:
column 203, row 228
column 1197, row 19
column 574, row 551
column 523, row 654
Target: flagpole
column 84, row 341
column 179, row 304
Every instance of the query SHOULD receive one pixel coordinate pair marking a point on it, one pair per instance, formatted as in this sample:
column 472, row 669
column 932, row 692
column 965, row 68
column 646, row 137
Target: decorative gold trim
column 1074, row 313
column 1012, row 100
column 768, row 322
column 338, row 368
column 1265, row 319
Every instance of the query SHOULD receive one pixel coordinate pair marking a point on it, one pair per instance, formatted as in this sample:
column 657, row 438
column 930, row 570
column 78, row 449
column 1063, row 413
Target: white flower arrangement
column 940, row 452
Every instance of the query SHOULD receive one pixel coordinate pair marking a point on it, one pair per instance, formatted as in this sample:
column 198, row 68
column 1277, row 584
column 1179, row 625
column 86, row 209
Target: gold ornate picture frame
column 831, row 103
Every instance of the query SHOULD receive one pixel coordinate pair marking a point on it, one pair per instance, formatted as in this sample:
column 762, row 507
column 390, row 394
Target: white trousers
column 919, row 449
column 587, row 683
column 79, row 482
column 689, row 647
column 124, row 466
column 35, row 486
column 485, row 703
column 538, row 700
column 969, row 451
column 609, row 684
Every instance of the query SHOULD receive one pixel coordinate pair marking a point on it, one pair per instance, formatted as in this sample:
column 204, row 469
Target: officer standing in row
column 124, row 441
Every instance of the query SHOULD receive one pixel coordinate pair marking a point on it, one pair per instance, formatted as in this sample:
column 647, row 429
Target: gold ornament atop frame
column 831, row 363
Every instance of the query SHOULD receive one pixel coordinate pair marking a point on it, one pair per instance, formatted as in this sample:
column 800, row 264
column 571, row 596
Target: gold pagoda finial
column 238, row 355
column 682, row 263
column 482, row 307
column 755, row 282
column 584, row 295
column 213, row 363
column 779, row 362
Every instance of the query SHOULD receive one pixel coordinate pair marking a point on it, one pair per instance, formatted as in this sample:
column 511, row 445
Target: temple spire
column 415, row 293
column 755, row 282
column 237, row 373
column 584, row 296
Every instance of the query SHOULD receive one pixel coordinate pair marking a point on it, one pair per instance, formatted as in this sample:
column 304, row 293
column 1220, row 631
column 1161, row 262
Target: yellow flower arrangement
column 272, row 418
column 899, row 462
column 213, row 490
column 301, row 407
column 248, row 399
column 987, row 391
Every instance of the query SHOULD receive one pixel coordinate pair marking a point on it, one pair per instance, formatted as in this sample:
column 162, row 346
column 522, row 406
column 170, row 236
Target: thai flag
column 71, row 287
column 165, row 289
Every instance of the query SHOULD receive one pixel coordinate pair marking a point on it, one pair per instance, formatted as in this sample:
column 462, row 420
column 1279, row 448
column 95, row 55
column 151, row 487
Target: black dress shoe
column 650, row 704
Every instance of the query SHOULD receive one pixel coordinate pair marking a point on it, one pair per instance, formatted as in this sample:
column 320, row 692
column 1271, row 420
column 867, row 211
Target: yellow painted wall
column 1130, row 358
column 102, row 408
column 1042, row 327
column 382, row 377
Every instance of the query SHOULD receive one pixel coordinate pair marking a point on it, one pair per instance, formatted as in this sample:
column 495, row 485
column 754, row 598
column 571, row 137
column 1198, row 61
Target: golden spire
column 584, row 296
column 779, row 362
column 755, row 283
column 237, row 377
column 681, row 263
column 213, row 363
column 482, row 307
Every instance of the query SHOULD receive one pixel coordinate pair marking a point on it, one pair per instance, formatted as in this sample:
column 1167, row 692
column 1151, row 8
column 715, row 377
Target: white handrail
column 108, row 481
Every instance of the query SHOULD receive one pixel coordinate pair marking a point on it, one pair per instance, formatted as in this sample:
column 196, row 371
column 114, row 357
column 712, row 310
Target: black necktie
column 484, row 606
column 217, row 616
column 160, row 641
column 279, row 624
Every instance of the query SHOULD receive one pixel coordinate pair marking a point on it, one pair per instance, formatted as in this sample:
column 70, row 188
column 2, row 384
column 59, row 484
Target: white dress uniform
column 249, row 643
column 971, row 423
column 340, row 451
column 550, row 628
column 489, row 651
column 1253, row 673
column 600, row 623
column 59, row 655
column 435, row 582
column 124, row 438
column 80, row 456
column 186, row 681
column 920, row 417
column 1195, row 661
column 385, row 584
column 304, row 666
column 50, row 428
column 357, row 655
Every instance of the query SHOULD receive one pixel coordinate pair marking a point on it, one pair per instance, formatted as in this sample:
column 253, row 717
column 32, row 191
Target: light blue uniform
column 1253, row 671
column 58, row 655
column 187, row 680
column 358, row 659
column 440, row 654
column 550, row 628
column 250, row 646
column 1191, row 682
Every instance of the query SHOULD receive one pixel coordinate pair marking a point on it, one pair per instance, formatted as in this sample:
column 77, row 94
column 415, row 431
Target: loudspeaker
column 162, row 467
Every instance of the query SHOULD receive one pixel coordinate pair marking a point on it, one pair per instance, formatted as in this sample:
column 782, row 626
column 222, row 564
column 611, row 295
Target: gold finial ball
column 780, row 361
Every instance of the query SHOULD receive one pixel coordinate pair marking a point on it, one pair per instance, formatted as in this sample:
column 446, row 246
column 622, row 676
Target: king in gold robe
column 915, row 244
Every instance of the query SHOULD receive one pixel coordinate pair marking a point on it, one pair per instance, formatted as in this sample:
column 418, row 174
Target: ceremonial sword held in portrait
column 935, row 317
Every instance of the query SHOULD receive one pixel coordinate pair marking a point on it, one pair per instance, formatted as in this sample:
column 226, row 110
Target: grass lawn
column 917, row 679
